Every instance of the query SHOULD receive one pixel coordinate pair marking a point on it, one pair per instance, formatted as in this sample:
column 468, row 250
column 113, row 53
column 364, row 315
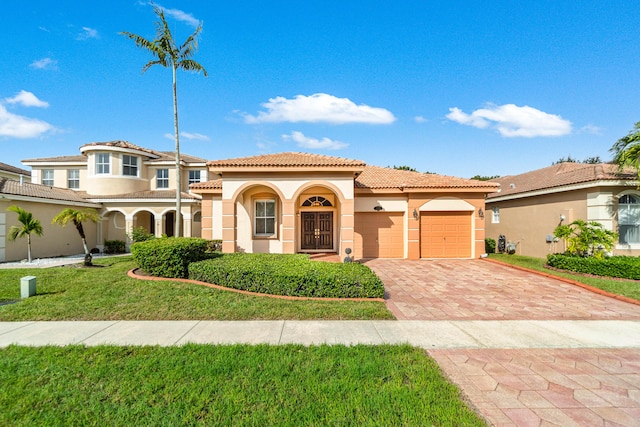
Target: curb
column 132, row 273
column 569, row 281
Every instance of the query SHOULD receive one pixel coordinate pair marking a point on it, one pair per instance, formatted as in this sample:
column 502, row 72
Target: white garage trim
column 447, row 204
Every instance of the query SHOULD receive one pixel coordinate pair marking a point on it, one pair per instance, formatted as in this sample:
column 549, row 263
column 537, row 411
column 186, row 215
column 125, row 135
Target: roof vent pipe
column 21, row 179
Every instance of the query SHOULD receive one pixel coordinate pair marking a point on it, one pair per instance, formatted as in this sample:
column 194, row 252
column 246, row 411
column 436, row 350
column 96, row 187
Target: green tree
column 484, row 178
column 167, row 53
column 30, row 225
column 77, row 217
column 589, row 160
column 405, row 168
column 626, row 150
column 586, row 238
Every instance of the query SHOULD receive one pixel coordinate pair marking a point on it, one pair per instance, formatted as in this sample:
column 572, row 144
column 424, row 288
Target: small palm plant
column 77, row 217
column 30, row 225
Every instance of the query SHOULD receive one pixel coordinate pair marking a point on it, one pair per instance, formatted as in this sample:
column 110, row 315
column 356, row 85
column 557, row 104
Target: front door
column 317, row 230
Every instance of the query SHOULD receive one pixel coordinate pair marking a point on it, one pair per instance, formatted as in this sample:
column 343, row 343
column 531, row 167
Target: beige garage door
column 445, row 234
column 379, row 235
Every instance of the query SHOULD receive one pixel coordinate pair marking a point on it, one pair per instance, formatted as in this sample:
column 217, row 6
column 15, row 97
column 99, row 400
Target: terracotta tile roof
column 215, row 184
column 559, row 175
column 27, row 189
column 121, row 144
column 12, row 169
column 378, row 177
column 171, row 155
column 76, row 159
column 281, row 160
column 147, row 194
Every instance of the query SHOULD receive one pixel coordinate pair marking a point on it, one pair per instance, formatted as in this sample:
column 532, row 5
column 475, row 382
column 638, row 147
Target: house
column 12, row 172
column 529, row 206
column 134, row 186
column 300, row 202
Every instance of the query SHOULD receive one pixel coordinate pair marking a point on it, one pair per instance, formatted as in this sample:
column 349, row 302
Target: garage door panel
column 445, row 235
column 379, row 235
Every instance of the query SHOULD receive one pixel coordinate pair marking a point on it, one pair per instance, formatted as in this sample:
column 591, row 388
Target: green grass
column 627, row 288
column 235, row 385
column 107, row 293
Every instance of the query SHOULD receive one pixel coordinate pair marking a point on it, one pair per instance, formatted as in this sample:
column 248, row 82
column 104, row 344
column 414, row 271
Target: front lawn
column 105, row 292
column 227, row 385
column 627, row 288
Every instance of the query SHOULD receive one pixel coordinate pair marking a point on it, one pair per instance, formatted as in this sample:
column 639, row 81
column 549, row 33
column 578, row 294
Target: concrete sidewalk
column 437, row 334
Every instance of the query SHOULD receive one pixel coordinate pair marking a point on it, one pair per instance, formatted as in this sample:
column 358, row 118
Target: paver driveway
column 521, row 387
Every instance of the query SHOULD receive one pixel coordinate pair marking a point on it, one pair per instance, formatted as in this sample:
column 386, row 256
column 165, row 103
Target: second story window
column 47, row 177
column 162, row 178
column 129, row 165
column 73, row 178
column 194, row 177
column 103, row 162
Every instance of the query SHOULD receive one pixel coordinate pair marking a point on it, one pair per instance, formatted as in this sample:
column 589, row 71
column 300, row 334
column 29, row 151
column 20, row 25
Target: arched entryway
column 318, row 220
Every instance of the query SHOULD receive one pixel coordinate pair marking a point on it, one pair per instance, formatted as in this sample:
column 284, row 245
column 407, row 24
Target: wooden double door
column 317, row 230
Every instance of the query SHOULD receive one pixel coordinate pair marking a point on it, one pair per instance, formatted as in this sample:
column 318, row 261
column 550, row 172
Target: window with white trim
column 103, row 163
column 73, row 178
column 194, row 177
column 265, row 218
column 629, row 219
column 162, row 178
column 129, row 165
column 495, row 215
column 47, row 177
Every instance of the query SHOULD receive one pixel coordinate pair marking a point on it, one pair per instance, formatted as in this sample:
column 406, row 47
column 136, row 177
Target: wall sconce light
column 377, row 208
column 480, row 213
column 415, row 214
column 562, row 218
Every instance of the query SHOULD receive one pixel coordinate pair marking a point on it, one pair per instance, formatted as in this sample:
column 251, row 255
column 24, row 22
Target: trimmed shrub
column 169, row 257
column 214, row 246
column 292, row 275
column 140, row 234
column 114, row 247
column 617, row 266
column 490, row 245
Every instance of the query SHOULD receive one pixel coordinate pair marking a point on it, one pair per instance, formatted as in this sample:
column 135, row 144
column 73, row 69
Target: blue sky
column 458, row 88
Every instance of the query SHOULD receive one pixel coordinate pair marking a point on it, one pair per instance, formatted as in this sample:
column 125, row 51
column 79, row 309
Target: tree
column 586, row 238
column 77, row 217
column 167, row 54
column 484, row 178
column 626, row 150
column 30, row 225
column 589, row 160
column 405, row 168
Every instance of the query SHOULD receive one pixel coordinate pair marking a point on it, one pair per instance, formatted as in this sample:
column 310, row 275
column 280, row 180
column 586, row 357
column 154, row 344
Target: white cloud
column 180, row 15
column 591, row 129
column 513, row 121
column 319, row 107
column 15, row 126
column 87, row 33
column 419, row 119
column 312, row 143
column 188, row 135
column 27, row 99
column 44, row 64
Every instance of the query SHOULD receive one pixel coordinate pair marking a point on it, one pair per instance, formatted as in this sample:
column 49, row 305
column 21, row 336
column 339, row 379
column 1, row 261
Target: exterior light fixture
column 415, row 214
column 480, row 213
column 377, row 208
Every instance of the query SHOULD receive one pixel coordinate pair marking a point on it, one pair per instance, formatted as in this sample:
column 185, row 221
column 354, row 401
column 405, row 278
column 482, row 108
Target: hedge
column 292, row 275
column 169, row 257
column 617, row 266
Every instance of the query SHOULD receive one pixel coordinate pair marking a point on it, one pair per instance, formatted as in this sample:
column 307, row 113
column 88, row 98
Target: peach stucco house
column 531, row 205
column 300, row 202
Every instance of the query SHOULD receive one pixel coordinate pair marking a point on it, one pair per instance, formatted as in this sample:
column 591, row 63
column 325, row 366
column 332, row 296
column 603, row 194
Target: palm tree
column 78, row 217
column 168, row 54
column 29, row 225
column 626, row 150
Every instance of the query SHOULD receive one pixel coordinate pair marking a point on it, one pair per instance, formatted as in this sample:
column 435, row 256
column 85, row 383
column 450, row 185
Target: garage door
column 445, row 234
column 379, row 235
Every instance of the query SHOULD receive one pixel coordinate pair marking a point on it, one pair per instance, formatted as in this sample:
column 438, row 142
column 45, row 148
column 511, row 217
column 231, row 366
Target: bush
column 169, row 257
column 617, row 266
column 140, row 234
column 489, row 245
column 293, row 275
column 214, row 246
column 114, row 247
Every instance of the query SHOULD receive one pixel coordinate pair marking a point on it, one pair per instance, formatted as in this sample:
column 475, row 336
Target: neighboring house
column 134, row 186
column 298, row 202
column 12, row 172
column 529, row 206
column 44, row 203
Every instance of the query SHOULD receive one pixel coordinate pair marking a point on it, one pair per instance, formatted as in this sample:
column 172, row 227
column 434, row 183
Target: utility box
column 27, row 286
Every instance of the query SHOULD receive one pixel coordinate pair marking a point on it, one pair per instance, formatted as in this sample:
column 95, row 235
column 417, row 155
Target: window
column 316, row 201
column 103, row 161
column 629, row 219
column 73, row 178
column 265, row 218
column 162, row 178
column 129, row 165
column 47, row 177
column 194, row 176
column 495, row 215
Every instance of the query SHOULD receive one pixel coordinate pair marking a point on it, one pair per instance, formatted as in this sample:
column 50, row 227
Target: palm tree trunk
column 29, row 247
column 178, row 231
